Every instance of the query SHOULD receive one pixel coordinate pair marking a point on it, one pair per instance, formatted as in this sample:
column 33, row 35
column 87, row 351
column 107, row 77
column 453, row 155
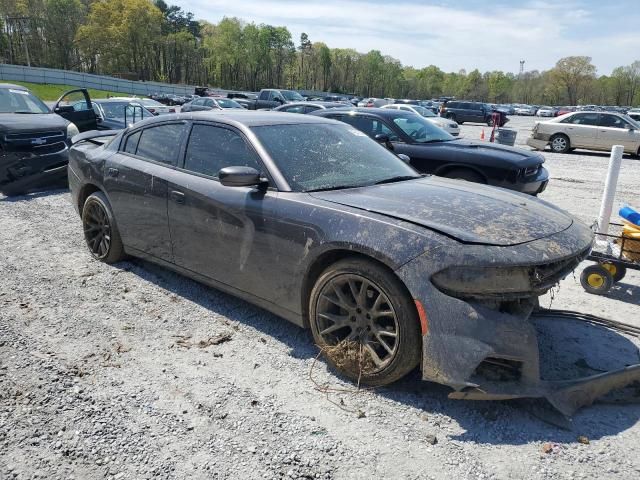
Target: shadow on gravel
column 33, row 196
column 569, row 349
column 625, row 292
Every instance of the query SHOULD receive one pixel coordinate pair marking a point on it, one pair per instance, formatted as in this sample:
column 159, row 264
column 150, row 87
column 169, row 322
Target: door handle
column 177, row 197
column 113, row 172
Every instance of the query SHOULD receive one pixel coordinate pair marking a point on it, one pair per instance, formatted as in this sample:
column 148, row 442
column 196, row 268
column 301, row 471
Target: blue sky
column 483, row 34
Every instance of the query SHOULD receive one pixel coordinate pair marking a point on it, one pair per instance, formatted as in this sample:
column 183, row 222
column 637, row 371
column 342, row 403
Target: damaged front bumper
column 479, row 336
column 24, row 171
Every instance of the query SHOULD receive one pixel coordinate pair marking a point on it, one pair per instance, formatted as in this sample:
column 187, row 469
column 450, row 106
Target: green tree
column 573, row 74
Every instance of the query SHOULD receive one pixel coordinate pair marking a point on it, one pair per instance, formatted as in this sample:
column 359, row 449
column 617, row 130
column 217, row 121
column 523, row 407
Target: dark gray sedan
column 314, row 221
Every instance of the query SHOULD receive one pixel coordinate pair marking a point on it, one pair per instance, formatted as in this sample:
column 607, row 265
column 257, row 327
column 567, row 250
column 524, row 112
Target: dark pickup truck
column 270, row 98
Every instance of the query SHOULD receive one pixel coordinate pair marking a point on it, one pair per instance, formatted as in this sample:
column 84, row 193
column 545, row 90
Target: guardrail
column 22, row 73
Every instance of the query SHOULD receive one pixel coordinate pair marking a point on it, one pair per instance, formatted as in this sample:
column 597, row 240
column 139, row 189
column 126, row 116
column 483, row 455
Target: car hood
column 468, row 212
column 466, row 150
column 25, row 123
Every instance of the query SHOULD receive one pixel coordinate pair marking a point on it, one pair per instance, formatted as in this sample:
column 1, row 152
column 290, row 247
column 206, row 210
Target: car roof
column 247, row 118
column 380, row 112
column 13, row 87
column 314, row 102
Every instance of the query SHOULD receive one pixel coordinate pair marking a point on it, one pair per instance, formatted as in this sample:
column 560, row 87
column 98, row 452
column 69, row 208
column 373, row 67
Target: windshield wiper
column 337, row 187
column 437, row 140
column 25, row 112
column 399, row 178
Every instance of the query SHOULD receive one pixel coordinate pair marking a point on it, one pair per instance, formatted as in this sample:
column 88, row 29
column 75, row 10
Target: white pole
column 610, row 188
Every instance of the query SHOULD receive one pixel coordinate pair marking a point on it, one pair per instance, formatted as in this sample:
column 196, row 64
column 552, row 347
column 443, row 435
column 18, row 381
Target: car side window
column 161, row 143
column 310, row 108
column 132, row 142
column 209, row 103
column 295, row 109
column 370, row 126
column 406, row 109
column 212, row 148
column 613, row 121
column 583, row 119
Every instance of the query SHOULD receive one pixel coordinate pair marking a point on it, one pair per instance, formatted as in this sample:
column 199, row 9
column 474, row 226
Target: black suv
column 34, row 140
column 475, row 112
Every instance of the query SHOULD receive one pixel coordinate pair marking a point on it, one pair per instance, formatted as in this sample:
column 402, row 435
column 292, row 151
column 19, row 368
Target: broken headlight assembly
column 479, row 282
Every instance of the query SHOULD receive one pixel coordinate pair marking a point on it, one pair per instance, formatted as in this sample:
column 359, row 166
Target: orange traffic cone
column 482, row 135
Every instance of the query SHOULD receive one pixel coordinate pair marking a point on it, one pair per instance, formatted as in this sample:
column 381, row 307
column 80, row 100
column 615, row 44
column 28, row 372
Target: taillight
column 172, row 110
column 152, row 110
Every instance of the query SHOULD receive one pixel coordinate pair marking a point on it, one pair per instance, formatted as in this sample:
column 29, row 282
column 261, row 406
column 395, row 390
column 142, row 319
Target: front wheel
column 464, row 174
column 100, row 231
column 365, row 322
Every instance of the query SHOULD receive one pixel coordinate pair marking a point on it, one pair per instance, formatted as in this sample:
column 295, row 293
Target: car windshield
column 328, row 157
column 226, row 103
column 117, row 110
column 421, row 130
column 292, row 96
column 20, row 101
column 425, row 112
column 632, row 121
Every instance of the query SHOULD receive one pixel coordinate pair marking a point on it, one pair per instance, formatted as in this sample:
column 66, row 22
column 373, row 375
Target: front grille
column 546, row 275
column 35, row 139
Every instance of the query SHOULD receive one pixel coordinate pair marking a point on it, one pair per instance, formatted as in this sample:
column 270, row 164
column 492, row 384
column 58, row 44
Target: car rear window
column 161, row 143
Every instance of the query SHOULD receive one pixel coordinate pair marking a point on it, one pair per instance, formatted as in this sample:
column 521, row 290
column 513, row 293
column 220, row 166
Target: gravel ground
column 130, row 371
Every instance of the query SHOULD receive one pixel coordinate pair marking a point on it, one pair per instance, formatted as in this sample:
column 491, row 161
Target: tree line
column 152, row 40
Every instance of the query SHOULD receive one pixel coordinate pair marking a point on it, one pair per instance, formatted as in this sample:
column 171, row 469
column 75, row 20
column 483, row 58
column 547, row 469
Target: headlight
column 483, row 281
column 72, row 130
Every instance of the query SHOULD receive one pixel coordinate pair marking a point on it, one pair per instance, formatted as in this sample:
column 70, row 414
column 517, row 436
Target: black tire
column 100, row 230
column 560, row 143
column 596, row 279
column 349, row 323
column 617, row 270
column 489, row 122
column 465, row 174
column 451, row 116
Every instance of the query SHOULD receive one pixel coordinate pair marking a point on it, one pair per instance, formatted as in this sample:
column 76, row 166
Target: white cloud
column 452, row 37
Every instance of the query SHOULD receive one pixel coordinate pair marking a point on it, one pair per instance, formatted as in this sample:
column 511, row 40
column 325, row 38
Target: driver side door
column 75, row 106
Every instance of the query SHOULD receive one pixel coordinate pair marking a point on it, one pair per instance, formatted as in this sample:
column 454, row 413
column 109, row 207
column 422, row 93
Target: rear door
column 75, row 106
column 615, row 130
column 217, row 231
column 136, row 180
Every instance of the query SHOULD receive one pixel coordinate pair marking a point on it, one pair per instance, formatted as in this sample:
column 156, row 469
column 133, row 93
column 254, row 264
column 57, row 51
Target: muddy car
column 34, row 140
column 317, row 223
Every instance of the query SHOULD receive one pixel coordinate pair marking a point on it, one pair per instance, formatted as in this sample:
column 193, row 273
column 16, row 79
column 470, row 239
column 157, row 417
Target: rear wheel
column 451, row 116
column 465, row 174
column 596, row 279
column 100, row 230
column 560, row 143
column 365, row 322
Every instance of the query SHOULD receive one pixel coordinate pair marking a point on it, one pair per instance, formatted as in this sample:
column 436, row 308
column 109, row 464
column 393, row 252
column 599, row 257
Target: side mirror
column 64, row 109
column 240, row 177
column 383, row 138
column 404, row 158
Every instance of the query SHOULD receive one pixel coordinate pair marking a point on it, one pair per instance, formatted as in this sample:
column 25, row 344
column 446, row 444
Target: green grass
column 50, row 92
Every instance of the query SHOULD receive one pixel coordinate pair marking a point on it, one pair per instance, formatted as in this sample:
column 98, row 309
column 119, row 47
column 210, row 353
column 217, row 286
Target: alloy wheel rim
column 97, row 230
column 351, row 308
column 559, row 143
